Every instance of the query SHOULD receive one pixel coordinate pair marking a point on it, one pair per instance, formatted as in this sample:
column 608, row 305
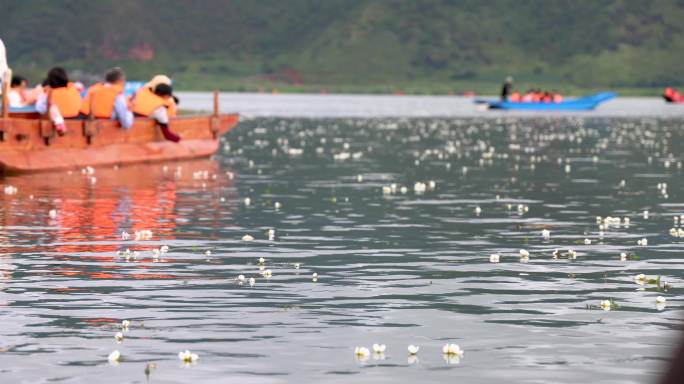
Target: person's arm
column 42, row 104
column 122, row 113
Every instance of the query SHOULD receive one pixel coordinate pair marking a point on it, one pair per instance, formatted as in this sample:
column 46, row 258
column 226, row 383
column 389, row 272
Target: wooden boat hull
column 586, row 103
column 31, row 144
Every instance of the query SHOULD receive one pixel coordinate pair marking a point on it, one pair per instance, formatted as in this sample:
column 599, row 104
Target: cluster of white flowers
column 11, row 190
column 200, row 175
column 144, row 234
column 677, row 232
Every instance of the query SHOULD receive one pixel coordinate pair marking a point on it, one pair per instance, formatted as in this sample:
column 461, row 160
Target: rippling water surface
column 397, row 267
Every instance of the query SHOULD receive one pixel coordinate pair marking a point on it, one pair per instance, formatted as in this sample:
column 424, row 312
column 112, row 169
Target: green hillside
column 426, row 46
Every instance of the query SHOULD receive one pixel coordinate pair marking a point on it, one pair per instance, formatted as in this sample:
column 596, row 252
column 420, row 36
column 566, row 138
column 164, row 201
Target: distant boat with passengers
column 538, row 100
column 585, row 103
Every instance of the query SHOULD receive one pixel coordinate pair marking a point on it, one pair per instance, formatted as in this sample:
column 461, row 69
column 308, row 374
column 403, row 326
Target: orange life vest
column 67, row 99
column 145, row 102
column 100, row 98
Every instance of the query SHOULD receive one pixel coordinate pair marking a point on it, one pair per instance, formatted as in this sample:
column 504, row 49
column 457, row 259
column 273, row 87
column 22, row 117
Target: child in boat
column 107, row 101
column 19, row 96
column 60, row 99
column 157, row 104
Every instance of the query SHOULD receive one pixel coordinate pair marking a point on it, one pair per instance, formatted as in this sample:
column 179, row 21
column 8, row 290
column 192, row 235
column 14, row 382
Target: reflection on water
column 397, row 264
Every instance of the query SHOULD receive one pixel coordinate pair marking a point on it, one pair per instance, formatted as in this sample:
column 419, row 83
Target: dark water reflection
column 397, row 268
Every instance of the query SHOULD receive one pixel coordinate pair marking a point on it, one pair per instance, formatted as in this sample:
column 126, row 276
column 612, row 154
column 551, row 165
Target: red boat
column 29, row 143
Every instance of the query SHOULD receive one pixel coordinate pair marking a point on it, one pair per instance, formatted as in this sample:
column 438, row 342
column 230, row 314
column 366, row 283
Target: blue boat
column 585, row 103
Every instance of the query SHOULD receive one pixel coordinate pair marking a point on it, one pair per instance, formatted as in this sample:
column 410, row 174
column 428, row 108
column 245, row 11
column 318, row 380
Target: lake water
column 395, row 266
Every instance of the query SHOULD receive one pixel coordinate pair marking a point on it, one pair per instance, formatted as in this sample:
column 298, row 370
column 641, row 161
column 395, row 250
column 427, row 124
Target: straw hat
column 158, row 79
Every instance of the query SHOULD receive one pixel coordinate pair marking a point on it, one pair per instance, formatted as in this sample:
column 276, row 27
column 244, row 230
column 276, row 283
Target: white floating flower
column 660, row 300
column 247, row 238
column 587, row 241
column 267, row 273
column 623, row 256
column 114, row 357
column 52, row 213
column 478, row 210
column 642, row 242
column 271, row 234
column 187, row 356
column 645, row 214
column 379, row 348
column 361, row 353
column 248, row 201
column 241, row 279
column 524, row 254
column 262, row 260
column 546, row 234
column 207, row 253
column 164, row 249
column 606, row 305
column 125, row 324
column 297, row 265
column 403, row 190
column 252, row 281
column 640, row 279
column 277, row 205
column 494, row 258
column 359, row 178
column 125, row 235
column 119, row 337
column 452, row 349
column 419, row 187
column 413, row 349
column 572, row 254
column 314, row 277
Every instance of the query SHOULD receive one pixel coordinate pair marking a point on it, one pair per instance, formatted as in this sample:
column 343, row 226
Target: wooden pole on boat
column 5, row 90
column 215, row 102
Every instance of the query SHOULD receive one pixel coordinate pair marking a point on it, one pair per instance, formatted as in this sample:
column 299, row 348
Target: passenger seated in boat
column 671, row 95
column 158, row 105
column 107, row 101
column 18, row 96
column 557, row 98
column 148, row 89
column 515, row 97
column 60, row 99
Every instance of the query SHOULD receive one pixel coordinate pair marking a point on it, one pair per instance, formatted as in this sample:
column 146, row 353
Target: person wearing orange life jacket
column 146, row 94
column 61, row 99
column 158, row 105
column 107, row 101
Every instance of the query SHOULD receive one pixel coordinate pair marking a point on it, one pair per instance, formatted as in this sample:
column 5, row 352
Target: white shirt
column 3, row 58
column 15, row 100
column 3, row 64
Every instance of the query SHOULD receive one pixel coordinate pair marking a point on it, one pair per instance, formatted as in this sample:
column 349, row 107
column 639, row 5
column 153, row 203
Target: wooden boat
column 585, row 103
column 29, row 143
